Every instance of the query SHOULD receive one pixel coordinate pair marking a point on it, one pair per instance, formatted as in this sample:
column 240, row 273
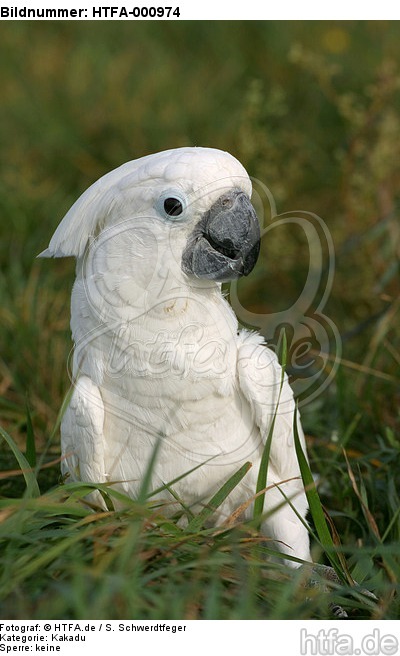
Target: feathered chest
column 179, row 351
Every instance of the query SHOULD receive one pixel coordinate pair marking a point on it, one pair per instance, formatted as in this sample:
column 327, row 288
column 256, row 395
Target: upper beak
column 226, row 242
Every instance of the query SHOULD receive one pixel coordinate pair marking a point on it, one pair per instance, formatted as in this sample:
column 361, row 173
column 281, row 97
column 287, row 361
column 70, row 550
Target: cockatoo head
column 188, row 207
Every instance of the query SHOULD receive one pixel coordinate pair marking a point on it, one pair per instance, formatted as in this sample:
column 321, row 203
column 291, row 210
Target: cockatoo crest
column 193, row 172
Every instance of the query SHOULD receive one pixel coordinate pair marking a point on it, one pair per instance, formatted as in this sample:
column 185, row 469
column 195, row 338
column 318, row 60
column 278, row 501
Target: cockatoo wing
column 267, row 390
column 82, row 435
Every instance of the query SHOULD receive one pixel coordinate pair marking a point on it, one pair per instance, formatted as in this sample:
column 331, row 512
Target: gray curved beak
column 225, row 244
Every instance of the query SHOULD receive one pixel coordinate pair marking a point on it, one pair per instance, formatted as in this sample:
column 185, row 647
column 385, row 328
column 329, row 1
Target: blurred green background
column 311, row 109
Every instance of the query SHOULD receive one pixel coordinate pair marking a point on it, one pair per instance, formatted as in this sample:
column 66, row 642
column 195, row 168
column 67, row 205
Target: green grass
column 63, row 557
column 310, row 110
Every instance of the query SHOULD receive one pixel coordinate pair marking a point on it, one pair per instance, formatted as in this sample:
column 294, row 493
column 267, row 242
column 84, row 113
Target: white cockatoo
column 159, row 356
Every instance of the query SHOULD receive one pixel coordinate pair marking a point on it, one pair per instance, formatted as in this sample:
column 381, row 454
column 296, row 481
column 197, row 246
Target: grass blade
column 146, row 481
column 316, row 509
column 30, row 447
column 198, row 521
column 32, row 487
column 263, row 470
column 177, row 498
column 361, row 496
column 164, row 486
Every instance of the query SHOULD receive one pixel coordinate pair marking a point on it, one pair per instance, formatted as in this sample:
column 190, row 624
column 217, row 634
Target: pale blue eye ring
column 172, row 205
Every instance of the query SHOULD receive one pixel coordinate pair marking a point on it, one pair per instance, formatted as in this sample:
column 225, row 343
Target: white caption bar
column 177, row 638
column 201, row 10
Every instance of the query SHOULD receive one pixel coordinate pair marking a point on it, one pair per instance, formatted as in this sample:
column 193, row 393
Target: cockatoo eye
column 173, row 206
